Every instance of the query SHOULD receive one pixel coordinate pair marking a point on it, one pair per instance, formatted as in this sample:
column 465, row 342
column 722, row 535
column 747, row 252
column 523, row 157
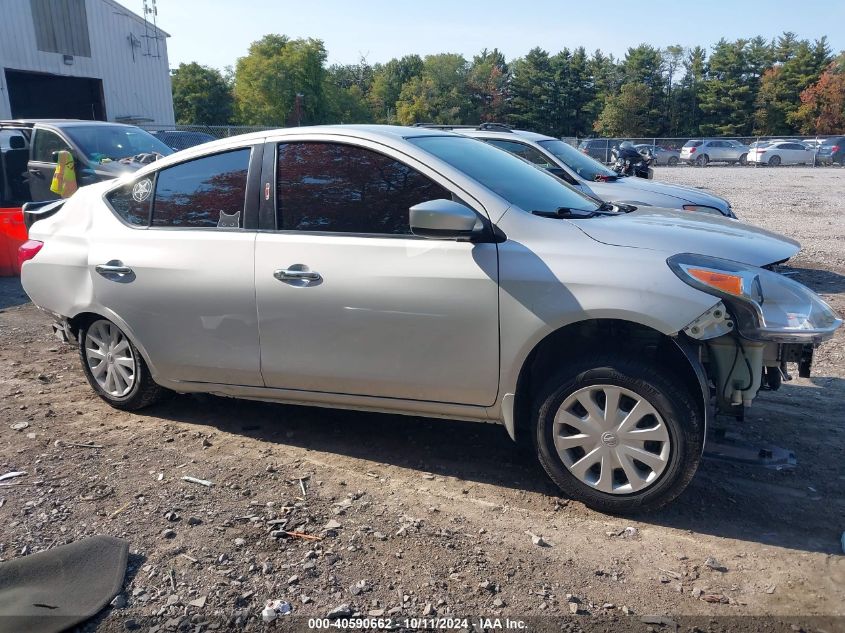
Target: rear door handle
column 113, row 268
column 37, row 173
column 297, row 272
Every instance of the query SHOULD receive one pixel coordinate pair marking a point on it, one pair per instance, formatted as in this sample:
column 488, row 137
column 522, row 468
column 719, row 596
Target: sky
column 217, row 32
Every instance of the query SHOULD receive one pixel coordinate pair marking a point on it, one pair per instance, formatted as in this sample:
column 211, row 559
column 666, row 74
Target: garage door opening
column 45, row 96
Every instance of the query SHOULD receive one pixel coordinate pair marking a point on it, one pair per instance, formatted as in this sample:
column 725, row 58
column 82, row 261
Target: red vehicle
column 28, row 159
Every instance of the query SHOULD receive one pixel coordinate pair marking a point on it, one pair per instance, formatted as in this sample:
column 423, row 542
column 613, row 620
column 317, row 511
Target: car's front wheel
column 114, row 367
column 743, row 160
column 619, row 435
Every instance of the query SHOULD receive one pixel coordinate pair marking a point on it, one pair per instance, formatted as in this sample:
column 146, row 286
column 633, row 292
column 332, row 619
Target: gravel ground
column 411, row 517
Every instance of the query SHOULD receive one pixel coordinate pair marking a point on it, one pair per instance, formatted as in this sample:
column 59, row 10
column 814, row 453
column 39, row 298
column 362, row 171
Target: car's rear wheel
column 743, row 160
column 774, row 161
column 702, row 160
column 114, row 367
column 673, row 161
column 617, row 434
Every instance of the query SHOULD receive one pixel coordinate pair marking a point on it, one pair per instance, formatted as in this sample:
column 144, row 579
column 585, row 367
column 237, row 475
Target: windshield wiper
column 565, row 213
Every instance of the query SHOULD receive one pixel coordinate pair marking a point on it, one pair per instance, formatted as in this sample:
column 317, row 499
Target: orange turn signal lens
column 722, row 281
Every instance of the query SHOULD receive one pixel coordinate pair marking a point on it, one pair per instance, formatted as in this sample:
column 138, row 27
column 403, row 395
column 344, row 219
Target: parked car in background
column 590, row 176
column 662, row 155
column 832, row 151
column 703, row 151
column 178, row 140
column 781, row 153
column 464, row 283
column 599, row 148
column 99, row 150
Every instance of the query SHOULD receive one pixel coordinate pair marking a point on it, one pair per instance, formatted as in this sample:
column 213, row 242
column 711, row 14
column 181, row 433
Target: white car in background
column 781, row 153
column 702, row 152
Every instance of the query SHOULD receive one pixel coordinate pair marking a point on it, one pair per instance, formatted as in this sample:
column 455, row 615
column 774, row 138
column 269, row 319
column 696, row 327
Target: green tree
column 532, row 92
column 275, row 70
column 798, row 65
column 201, row 95
column 388, row 80
column 438, row 95
column 487, row 84
column 727, row 95
column 607, row 79
column 628, row 113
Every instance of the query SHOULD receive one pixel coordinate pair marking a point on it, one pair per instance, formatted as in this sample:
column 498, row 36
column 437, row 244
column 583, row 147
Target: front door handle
column 298, row 273
column 37, row 173
column 113, row 268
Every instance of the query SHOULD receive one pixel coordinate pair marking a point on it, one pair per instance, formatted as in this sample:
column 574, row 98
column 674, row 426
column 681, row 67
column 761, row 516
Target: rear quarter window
column 131, row 202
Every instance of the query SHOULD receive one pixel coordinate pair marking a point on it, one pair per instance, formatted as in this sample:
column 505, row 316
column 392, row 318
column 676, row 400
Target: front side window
column 338, row 188
column 207, row 192
column 523, row 151
column 46, row 142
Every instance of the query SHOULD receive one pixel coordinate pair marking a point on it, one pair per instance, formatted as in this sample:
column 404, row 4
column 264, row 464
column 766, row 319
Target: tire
column 774, row 161
column 673, row 161
column 674, row 408
column 743, row 160
column 127, row 384
column 702, row 160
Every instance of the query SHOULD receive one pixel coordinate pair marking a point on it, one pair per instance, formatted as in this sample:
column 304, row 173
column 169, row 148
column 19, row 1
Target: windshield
column 519, row 182
column 105, row 143
column 693, row 143
column 586, row 167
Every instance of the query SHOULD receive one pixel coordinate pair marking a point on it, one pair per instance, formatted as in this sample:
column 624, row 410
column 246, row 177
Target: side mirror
column 442, row 219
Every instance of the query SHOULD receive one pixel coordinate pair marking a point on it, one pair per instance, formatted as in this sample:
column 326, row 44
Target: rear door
column 180, row 272
column 350, row 302
column 42, row 165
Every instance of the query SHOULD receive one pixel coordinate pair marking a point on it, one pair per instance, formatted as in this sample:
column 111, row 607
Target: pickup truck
column 28, row 158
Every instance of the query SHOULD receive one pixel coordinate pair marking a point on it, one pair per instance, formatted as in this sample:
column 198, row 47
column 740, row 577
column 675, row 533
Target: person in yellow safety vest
column 64, row 179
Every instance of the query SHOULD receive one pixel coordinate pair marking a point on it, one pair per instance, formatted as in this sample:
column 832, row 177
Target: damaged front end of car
column 763, row 322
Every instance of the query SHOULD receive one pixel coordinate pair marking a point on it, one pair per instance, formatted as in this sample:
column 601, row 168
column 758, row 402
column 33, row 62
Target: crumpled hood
column 690, row 194
column 682, row 232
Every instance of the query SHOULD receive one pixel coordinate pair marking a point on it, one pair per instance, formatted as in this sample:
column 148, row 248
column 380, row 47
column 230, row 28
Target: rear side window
column 208, row 192
column 132, row 201
column 339, row 188
column 521, row 150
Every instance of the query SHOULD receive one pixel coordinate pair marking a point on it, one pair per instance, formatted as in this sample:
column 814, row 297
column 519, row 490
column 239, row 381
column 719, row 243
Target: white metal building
column 86, row 59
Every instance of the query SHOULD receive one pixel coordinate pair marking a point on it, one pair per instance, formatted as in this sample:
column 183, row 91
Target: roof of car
column 367, row 132
column 57, row 123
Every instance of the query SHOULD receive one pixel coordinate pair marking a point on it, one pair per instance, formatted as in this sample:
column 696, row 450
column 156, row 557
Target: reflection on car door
column 187, row 287
column 41, row 165
column 350, row 302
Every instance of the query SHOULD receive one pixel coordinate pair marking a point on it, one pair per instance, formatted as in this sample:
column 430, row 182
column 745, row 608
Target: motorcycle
column 627, row 162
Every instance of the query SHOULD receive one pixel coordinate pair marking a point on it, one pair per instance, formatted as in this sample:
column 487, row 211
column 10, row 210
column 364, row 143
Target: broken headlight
column 766, row 306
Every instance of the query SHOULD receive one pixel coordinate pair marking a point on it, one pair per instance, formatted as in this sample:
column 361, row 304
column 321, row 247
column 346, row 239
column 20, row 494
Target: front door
column 183, row 281
column 350, row 302
column 42, row 165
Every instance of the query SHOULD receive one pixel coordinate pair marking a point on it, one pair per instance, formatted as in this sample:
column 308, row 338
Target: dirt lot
column 422, row 517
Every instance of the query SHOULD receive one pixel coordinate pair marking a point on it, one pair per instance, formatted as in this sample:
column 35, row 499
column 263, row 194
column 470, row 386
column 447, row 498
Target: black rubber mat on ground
column 50, row 591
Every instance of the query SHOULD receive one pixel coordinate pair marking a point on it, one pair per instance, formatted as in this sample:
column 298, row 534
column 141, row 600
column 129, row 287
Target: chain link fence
column 722, row 150
column 729, row 150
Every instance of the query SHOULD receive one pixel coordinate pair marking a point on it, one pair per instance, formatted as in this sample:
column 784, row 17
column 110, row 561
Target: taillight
column 834, row 149
column 692, row 150
column 27, row 251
